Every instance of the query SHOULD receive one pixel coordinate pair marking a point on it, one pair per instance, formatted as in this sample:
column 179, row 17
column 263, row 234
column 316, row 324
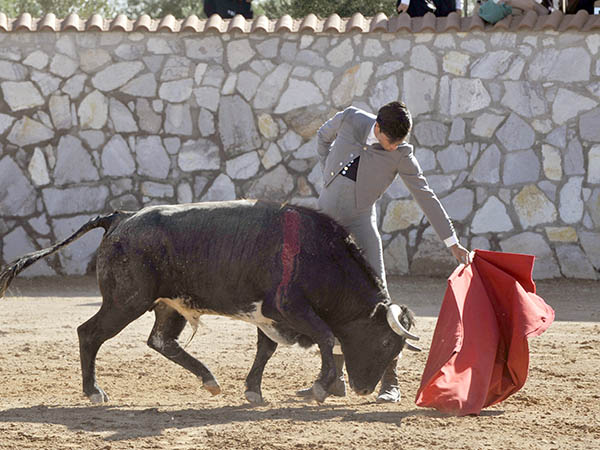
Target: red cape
column 479, row 353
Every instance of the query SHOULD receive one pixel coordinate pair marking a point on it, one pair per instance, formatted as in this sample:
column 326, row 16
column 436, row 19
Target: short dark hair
column 394, row 120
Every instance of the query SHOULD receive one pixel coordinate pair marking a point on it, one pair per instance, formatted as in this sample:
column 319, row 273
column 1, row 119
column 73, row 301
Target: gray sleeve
column 412, row 176
column 327, row 134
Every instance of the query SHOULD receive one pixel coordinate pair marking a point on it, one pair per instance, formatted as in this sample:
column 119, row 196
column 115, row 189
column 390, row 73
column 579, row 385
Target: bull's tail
column 9, row 272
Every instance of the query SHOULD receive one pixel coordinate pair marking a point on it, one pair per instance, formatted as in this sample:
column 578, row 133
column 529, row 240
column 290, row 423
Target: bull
column 293, row 272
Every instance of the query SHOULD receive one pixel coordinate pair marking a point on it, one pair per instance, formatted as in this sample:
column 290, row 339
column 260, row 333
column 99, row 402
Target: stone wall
column 507, row 130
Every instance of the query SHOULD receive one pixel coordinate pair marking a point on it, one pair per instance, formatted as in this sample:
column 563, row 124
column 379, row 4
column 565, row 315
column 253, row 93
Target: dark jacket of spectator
column 228, row 8
column 418, row 8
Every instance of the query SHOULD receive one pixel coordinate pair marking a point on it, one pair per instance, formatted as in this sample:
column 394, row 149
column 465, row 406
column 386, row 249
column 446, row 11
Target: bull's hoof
column 98, row 397
column 254, row 398
column 319, row 393
column 212, row 386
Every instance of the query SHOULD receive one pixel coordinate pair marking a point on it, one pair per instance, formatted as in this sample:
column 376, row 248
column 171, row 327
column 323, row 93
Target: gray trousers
column 338, row 200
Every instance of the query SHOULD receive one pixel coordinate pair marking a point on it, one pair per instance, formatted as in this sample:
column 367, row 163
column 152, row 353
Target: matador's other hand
column 462, row 255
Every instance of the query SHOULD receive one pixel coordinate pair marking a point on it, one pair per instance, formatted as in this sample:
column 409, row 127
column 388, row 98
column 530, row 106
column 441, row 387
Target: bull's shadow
column 127, row 423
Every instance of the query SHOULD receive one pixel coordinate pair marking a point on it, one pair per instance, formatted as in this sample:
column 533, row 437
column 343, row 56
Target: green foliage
column 160, row 8
column 324, row 8
column 61, row 8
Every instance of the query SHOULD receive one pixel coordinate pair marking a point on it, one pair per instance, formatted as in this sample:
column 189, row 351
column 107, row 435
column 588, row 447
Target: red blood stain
column 289, row 252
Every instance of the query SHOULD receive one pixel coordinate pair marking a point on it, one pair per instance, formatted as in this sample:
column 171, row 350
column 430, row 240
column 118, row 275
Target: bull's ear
column 380, row 309
column 394, row 314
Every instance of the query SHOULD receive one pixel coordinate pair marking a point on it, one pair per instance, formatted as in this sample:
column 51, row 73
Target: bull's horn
column 411, row 347
column 393, row 313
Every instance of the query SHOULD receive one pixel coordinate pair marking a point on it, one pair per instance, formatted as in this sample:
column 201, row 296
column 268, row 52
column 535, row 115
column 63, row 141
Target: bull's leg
column 105, row 324
column 265, row 348
column 304, row 320
column 168, row 326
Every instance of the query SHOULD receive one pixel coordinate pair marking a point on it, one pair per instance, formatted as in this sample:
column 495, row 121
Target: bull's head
column 370, row 344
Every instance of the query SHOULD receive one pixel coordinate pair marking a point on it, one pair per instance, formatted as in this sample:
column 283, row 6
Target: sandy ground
column 158, row 405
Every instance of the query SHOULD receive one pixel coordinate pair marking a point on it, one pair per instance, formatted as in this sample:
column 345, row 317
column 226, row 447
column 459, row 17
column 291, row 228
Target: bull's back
column 212, row 252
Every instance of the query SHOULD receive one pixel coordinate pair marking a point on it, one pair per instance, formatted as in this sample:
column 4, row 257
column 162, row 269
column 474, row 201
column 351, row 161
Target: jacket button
column 341, row 164
column 351, row 155
column 365, row 147
column 332, row 173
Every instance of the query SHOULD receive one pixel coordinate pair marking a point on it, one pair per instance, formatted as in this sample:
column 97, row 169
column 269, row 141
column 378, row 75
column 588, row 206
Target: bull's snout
column 364, row 391
column 360, row 391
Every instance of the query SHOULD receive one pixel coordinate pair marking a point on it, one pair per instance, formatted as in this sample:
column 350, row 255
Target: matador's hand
column 462, row 255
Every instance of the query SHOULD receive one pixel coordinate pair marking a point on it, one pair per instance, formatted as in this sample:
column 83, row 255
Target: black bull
column 293, row 272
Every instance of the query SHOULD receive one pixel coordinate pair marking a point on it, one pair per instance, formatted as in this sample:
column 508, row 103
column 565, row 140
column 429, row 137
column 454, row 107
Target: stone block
column 533, row 207
column 74, row 200
column 76, row 258
column 239, row 135
column 401, row 214
column 395, row 256
column 221, row 189
column 17, row 194
column 430, row 133
column 275, row 185
column 117, row 160
column 151, row 156
column 516, row 134
column 16, row 244
column 571, row 203
column 299, row 94
column 116, row 75
column 243, row 167
column 521, row 167
column 574, row 263
column 491, row 218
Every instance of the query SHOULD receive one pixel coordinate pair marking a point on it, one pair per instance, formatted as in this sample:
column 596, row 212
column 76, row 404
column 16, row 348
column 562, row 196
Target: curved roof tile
column 593, row 23
column 71, row 23
column 557, row 21
column 95, row 23
column 143, row 23
column 23, row 23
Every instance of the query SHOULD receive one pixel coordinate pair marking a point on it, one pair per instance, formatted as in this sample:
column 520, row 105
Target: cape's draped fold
column 479, row 353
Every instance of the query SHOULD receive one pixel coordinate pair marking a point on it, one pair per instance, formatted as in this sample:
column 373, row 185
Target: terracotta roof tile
column 168, row 23
column 214, row 23
column 472, row 23
column 121, row 23
column 379, row 23
column 143, row 23
column 238, row 23
column 556, row 21
column 3, row 22
column 96, row 23
column 428, row 22
column 48, row 23
column 574, row 22
column 593, row 23
column 401, row 22
column 552, row 21
column 262, row 23
column 71, row 23
column 333, row 23
column 526, row 22
column 503, row 24
column 356, row 23
column 23, row 23
column 451, row 23
column 309, row 24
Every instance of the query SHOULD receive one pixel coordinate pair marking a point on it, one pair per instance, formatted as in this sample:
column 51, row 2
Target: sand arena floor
column 155, row 404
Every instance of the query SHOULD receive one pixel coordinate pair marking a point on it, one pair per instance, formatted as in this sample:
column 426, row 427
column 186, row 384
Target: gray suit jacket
column 343, row 137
